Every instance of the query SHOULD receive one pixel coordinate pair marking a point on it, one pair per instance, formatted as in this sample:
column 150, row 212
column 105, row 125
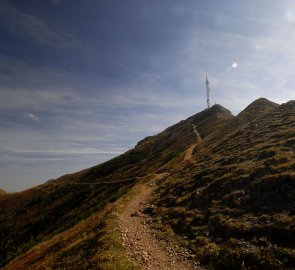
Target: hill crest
column 220, row 176
column 256, row 108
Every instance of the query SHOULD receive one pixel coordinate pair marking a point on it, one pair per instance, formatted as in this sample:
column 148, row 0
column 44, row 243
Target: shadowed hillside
column 30, row 217
column 231, row 199
column 235, row 204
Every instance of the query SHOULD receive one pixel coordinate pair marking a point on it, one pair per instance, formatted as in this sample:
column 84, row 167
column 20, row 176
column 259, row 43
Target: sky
column 84, row 81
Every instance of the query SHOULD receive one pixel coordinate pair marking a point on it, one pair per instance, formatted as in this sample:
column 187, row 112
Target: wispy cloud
column 31, row 116
column 129, row 78
column 57, row 2
column 26, row 26
column 68, row 151
column 263, row 51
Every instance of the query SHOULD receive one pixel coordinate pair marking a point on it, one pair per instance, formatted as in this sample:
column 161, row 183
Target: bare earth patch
column 189, row 152
column 141, row 243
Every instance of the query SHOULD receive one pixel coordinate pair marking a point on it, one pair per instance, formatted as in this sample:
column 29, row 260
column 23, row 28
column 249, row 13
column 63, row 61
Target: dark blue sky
column 83, row 81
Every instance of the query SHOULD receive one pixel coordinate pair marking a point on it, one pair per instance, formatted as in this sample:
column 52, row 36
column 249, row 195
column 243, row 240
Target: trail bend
column 189, row 152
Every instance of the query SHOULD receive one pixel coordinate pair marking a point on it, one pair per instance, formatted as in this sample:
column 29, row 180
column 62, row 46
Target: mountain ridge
column 257, row 107
column 227, row 155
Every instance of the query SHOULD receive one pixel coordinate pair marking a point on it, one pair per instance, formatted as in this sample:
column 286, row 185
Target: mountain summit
column 258, row 107
column 218, row 188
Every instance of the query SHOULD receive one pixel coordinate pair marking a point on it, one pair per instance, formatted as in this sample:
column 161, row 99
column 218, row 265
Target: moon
column 234, row 65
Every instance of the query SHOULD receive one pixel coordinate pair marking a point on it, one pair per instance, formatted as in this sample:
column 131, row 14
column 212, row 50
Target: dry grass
column 233, row 205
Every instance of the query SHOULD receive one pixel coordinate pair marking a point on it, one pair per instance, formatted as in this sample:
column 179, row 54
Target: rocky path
column 199, row 138
column 142, row 244
column 189, row 152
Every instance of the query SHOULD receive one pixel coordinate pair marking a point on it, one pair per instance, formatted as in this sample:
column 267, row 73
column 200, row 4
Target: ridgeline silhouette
column 215, row 190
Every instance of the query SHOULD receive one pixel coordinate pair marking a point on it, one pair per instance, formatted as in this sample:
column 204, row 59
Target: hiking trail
column 189, row 152
column 140, row 240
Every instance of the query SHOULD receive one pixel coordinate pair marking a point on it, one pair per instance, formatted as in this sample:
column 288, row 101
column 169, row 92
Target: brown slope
column 235, row 204
column 162, row 152
column 30, row 217
column 2, row 192
column 257, row 108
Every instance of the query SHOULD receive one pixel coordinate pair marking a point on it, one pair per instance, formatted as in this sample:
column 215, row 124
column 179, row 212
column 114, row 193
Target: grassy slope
column 217, row 199
column 35, row 215
column 235, row 205
column 94, row 243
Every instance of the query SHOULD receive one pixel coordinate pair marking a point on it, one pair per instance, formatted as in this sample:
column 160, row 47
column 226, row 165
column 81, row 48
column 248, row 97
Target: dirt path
column 189, row 152
column 141, row 243
column 199, row 138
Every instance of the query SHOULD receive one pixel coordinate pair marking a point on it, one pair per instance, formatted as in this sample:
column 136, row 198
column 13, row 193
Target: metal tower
column 208, row 91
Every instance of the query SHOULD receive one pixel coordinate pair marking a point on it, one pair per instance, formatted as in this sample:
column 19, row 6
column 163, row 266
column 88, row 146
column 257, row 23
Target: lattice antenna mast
column 208, row 92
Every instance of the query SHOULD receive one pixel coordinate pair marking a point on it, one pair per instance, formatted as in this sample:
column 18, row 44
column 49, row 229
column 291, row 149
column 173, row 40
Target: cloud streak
column 57, row 2
column 83, row 100
column 25, row 26
column 31, row 116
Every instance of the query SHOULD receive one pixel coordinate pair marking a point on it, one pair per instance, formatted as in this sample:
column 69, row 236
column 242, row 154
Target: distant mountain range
column 229, row 195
